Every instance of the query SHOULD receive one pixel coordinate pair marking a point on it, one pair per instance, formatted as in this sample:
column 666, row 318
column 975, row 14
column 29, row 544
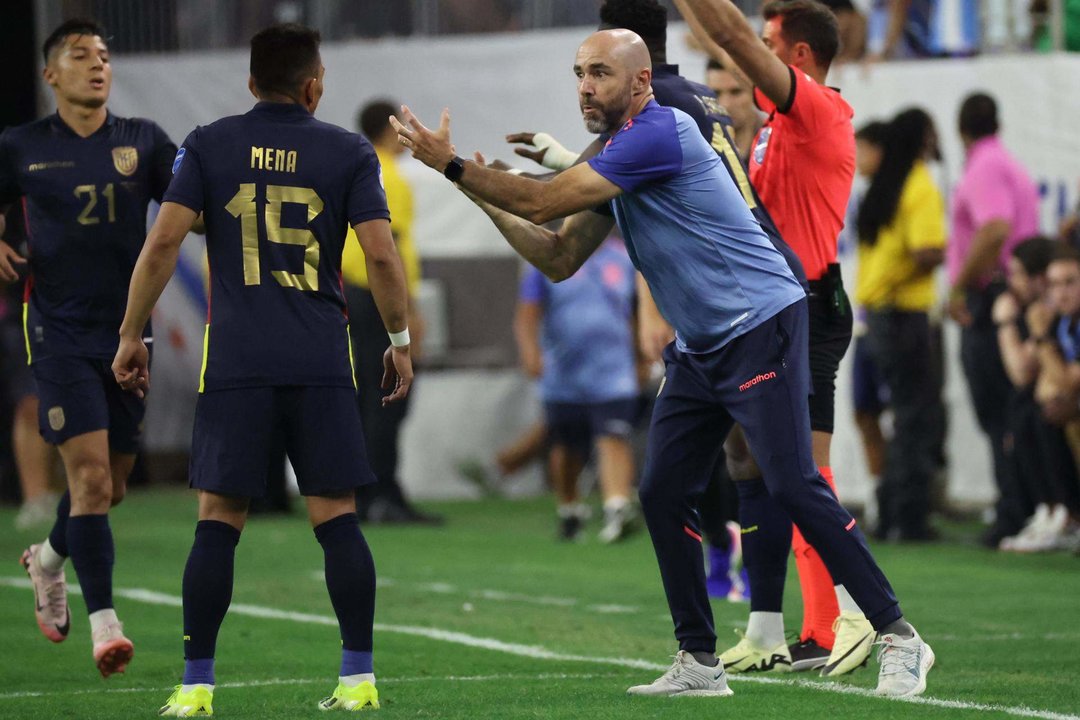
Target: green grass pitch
column 489, row 617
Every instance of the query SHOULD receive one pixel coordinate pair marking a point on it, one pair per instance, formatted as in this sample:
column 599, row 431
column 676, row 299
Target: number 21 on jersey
column 244, row 205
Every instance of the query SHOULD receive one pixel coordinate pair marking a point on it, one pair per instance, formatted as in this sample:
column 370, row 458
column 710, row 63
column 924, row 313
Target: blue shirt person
column 740, row 317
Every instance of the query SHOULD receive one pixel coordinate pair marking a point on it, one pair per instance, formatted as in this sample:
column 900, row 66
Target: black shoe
column 570, row 527
column 807, row 655
column 385, row 512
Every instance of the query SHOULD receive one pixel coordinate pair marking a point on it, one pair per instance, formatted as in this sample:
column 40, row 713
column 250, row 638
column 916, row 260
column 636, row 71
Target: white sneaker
column 688, row 678
column 618, row 523
column 854, row 642
column 748, row 656
column 112, row 651
column 904, row 665
column 50, row 596
column 39, row 511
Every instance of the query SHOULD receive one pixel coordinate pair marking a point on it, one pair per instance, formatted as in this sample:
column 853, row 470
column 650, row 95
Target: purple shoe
column 718, row 582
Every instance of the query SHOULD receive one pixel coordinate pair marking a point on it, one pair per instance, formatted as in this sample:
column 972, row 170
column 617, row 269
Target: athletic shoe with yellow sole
column 352, row 699
column 197, row 702
column 748, row 656
column 854, row 642
column 50, row 597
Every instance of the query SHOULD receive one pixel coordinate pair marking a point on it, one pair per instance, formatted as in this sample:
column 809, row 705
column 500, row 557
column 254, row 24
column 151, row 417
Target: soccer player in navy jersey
column 278, row 190
column 740, row 353
column 85, row 177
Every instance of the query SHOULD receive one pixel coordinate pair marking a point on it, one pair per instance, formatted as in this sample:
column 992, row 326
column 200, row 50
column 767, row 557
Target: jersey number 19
column 244, row 205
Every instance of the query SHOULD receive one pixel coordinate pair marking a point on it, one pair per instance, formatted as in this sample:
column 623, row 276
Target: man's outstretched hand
column 434, row 149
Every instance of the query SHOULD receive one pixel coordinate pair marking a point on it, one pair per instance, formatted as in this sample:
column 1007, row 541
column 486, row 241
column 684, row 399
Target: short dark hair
column 647, row 18
column 284, row 56
column 810, row 22
column 1035, row 253
column 873, row 132
column 74, row 26
column 978, row 116
column 374, row 118
column 1064, row 252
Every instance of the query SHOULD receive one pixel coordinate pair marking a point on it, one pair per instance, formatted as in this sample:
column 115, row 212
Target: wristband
column 557, row 157
column 399, row 339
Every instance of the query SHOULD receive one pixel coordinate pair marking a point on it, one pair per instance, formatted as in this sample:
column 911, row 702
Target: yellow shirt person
column 399, row 199
column 888, row 275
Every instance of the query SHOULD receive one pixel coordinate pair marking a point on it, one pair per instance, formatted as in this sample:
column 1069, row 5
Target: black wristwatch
column 454, row 169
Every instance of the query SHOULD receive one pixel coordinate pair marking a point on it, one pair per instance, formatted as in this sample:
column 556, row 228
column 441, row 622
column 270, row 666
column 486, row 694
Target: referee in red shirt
column 802, row 165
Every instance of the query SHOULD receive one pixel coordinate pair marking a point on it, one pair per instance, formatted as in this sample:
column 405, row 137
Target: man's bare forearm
column 521, row 196
column 547, row 251
column 386, row 277
column 155, row 266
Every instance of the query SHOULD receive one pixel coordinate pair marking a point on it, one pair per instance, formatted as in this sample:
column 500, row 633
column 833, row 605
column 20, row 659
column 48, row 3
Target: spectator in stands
column 1038, row 450
column 384, row 500
column 736, row 94
column 853, row 24
column 901, row 241
column 923, row 28
column 577, row 338
column 1043, row 39
column 995, row 205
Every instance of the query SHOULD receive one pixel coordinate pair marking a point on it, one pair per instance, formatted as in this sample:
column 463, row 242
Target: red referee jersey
column 802, row 166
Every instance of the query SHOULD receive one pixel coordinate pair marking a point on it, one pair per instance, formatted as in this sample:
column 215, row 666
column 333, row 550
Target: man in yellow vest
column 382, row 501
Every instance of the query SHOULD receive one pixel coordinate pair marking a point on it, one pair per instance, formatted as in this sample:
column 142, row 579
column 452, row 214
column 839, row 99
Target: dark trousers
column 990, row 392
column 762, row 381
column 900, row 345
column 382, row 425
column 1040, row 456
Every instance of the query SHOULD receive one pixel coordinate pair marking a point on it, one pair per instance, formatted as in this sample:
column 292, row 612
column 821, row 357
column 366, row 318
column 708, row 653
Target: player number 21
column 91, row 194
column 244, row 206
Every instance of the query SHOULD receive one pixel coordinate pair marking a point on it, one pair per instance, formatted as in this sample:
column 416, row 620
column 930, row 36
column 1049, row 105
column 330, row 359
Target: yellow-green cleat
column 359, row 697
column 195, row 703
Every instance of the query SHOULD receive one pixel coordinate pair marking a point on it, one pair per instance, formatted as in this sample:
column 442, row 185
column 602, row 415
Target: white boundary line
column 316, row 681
column 540, row 653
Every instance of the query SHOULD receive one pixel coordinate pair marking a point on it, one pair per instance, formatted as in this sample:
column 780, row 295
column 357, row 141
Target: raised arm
column 719, row 23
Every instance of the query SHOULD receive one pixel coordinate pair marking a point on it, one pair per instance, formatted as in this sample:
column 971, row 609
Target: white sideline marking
column 444, row 588
column 541, row 653
column 317, row 681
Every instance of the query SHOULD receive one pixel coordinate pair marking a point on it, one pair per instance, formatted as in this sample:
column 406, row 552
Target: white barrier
column 500, row 84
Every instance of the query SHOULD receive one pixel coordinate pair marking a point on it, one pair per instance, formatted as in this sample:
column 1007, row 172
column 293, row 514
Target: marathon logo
column 754, row 381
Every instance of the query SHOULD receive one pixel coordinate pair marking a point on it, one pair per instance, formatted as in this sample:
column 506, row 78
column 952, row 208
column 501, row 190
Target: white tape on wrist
column 399, row 339
column 557, row 157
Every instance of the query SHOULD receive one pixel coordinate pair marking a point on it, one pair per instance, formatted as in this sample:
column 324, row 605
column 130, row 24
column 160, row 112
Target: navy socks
column 208, row 581
column 91, row 550
column 350, row 579
column 58, row 535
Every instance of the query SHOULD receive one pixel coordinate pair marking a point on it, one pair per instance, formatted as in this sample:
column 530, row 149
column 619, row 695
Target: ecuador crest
column 126, row 160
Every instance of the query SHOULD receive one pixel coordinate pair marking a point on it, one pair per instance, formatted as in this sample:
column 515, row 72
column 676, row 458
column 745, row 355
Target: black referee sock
column 766, row 543
column 207, row 589
column 350, row 579
column 92, row 554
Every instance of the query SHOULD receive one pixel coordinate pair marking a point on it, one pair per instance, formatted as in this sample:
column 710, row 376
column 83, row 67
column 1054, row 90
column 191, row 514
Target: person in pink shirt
column 995, row 205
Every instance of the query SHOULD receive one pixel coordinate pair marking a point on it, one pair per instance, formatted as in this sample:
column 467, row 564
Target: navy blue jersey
column 278, row 190
column 85, row 202
column 699, row 102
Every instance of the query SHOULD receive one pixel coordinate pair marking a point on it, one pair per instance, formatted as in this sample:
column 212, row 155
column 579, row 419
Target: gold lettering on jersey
column 55, row 165
column 276, row 159
column 125, row 160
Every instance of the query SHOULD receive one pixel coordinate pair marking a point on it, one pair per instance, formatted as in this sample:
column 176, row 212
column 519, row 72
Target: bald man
column 740, row 352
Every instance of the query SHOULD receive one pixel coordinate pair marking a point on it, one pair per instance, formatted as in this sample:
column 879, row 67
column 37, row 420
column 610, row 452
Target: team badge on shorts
column 56, row 418
column 125, row 160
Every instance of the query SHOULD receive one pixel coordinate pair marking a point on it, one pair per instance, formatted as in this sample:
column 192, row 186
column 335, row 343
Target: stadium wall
column 499, row 84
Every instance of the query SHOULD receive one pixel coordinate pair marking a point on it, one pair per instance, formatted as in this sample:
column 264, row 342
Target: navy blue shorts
column 236, row 432
column 870, row 394
column 78, row 395
column 576, row 425
column 18, row 378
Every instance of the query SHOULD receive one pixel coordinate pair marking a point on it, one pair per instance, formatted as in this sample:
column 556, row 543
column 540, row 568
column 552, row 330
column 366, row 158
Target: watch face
column 454, row 169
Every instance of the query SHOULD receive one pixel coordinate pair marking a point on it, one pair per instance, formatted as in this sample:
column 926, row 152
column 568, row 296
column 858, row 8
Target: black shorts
column 830, row 335
column 236, row 432
column 79, row 395
column 576, row 425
